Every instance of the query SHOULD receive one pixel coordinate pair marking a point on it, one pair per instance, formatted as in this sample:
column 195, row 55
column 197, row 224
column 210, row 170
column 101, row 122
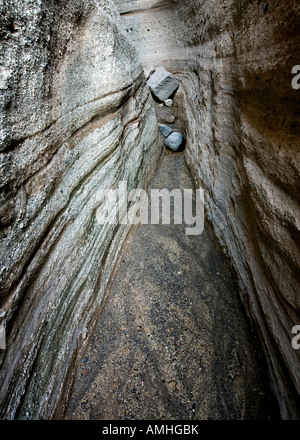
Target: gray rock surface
column 162, row 83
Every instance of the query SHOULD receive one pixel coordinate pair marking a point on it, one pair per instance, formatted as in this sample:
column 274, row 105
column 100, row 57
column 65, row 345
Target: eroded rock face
column 77, row 117
column 236, row 101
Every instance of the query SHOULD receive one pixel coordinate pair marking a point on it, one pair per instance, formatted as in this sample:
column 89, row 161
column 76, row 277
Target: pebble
column 168, row 102
column 170, row 119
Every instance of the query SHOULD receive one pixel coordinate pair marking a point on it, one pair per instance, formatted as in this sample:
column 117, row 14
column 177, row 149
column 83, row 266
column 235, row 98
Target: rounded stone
column 174, row 141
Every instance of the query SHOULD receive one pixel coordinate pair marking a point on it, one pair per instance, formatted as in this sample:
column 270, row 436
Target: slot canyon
column 120, row 321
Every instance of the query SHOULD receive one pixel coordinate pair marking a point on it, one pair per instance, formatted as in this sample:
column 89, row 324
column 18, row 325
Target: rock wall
column 77, row 117
column 241, row 118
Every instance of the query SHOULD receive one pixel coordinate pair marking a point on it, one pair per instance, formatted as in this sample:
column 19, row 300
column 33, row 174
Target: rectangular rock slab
column 162, row 84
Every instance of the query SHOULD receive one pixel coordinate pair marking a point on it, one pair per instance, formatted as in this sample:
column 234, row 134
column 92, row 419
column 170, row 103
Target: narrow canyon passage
column 173, row 341
column 105, row 321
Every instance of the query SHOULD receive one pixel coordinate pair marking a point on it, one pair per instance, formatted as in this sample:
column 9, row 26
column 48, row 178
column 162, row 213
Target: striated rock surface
column 241, row 117
column 77, row 117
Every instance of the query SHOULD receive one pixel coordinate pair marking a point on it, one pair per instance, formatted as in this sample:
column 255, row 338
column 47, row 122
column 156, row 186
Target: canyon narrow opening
column 173, row 341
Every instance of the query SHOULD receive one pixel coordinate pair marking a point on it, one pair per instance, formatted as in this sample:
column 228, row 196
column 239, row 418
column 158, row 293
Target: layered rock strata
column 77, row 117
column 234, row 61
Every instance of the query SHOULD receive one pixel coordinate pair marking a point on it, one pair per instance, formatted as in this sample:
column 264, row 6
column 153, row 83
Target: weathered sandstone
column 77, row 117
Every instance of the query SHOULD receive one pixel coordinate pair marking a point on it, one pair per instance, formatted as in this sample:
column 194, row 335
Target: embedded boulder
column 162, row 84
